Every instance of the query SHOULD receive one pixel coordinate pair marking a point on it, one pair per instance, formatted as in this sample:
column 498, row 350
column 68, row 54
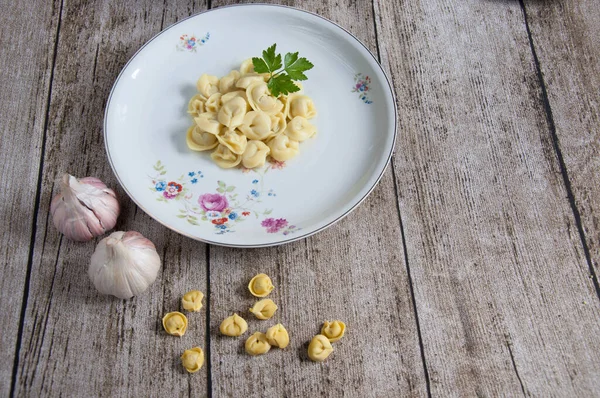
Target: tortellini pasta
column 260, row 285
column 247, row 67
column 232, row 112
column 256, row 125
column 278, row 123
column 192, row 300
column 246, row 80
column 300, row 129
column 257, row 344
column 231, row 95
column 234, row 325
column 227, row 83
column 264, row 309
column 175, row 323
column 255, row 154
column 193, row 359
column 241, row 123
column 300, row 105
column 319, row 348
column 198, row 140
column 208, row 122
column 260, row 99
column 196, row 105
column 207, row 85
column 224, row 158
column 278, row 336
column 333, row 330
column 282, row 148
column 234, row 140
column 213, row 103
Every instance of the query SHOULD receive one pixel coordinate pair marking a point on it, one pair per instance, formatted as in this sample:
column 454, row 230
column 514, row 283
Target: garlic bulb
column 84, row 208
column 124, row 264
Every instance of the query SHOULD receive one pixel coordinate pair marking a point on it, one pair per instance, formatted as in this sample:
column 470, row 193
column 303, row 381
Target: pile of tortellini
column 242, row 123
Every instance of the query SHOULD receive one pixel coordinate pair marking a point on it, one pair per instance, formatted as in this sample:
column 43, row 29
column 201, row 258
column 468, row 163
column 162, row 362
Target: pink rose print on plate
column 274, row 225
column 213, row 202
column 223, row 209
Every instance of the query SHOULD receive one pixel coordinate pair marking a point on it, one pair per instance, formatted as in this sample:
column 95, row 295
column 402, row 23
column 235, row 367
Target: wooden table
column 469, row 271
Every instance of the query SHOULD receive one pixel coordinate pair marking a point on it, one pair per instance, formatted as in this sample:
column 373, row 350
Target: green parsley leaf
column 282, row 84
column 272, row 60
column 289, row 59
column 295, row 69
column 259, row 65
column 281, row 80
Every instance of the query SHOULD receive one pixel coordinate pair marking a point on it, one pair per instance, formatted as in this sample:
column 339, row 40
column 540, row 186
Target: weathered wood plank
column 76, row 342
column 353, row 271
column 502, row 291
column 565, row 40
column 27, row 40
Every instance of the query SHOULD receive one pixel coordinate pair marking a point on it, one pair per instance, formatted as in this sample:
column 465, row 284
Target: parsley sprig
column 282, row 76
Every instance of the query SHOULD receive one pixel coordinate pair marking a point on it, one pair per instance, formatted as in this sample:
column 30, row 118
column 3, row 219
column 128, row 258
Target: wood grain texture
column 353, row 271
column 503, row 300
column 565, row 39
column 503, row 295
column 75, row 341
column 27, row 39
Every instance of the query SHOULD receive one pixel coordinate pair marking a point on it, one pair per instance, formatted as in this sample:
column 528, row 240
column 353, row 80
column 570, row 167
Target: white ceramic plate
column 146, row 122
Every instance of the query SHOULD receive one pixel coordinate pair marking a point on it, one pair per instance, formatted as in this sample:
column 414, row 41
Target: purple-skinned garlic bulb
column 124, row 264
column 84, row 208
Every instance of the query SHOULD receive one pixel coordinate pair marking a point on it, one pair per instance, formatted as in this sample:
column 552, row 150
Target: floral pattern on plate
column 361, row 86
column 278, row 225
column 223, row 208
column 191, row 43
column 167, row 189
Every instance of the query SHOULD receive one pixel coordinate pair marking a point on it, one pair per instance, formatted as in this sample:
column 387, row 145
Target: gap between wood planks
column 559, row 156
column 402, row 234
column 556, row 145
column 209, row 391
column 34, row 219
column 207, row 323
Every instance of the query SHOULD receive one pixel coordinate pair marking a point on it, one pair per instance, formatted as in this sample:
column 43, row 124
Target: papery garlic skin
column 124, row 264
column 85, row 208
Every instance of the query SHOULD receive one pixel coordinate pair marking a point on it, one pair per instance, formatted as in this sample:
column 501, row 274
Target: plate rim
column 296, row 237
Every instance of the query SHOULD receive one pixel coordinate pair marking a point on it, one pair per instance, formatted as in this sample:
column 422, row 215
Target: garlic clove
column 85, row 208
column 124, row 264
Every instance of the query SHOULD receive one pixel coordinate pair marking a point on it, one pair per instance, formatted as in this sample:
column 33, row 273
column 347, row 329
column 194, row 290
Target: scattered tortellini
column 319, row 348
column 238, row 119
column 278, row 336
column 333, row 330
column 192, row 300
column 261, row 285
column 264, row 309
column 175, row 323
column 233, row 326
column 257, row 344
column 193, row 359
